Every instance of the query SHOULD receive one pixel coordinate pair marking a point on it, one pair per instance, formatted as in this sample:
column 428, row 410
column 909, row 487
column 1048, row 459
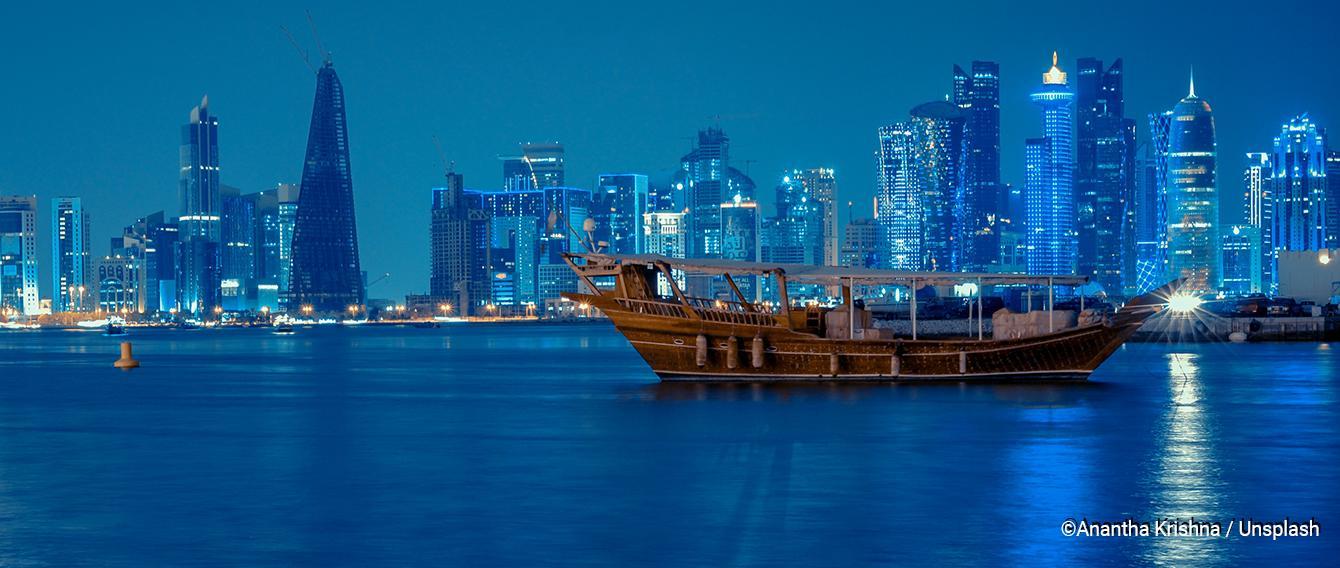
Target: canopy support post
column 782, row 297
column 849, row 296
column 744, row 303
column 980, row 315
column 1051, row 306
column 913, row 299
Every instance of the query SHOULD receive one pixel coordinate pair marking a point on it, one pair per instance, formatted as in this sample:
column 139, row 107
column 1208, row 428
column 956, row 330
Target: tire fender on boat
column 756, row 352
column 833, row 364
column 701, row 350
column 732, row 352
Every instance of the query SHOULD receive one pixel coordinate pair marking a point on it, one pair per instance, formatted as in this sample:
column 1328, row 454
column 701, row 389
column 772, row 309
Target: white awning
column 832, row 274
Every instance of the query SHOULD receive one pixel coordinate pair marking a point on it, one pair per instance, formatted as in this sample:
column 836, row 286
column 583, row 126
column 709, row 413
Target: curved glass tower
column 326, row 274
column 1193, row 202
column 1049, row 194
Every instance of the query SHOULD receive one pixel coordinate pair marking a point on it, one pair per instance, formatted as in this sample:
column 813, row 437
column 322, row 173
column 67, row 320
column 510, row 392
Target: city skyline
column 641, row 130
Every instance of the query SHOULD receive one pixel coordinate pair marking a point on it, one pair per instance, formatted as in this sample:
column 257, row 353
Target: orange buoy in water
column 126, row 361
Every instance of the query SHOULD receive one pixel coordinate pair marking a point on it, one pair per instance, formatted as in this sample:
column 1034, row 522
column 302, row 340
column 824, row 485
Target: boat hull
column 671, row 346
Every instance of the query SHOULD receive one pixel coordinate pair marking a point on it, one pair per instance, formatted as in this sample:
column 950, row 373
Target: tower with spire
column 1193, row 198
column 1049, row 191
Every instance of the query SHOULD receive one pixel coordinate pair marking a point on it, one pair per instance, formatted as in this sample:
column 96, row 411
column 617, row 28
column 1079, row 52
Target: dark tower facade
column 981, row 200
column 1104, row 176
column 326, row 272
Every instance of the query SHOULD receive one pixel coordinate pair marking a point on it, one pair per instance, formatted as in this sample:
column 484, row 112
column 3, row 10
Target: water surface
column 520, row 444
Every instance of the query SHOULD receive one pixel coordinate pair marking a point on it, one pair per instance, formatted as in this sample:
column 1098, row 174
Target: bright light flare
column 1183, row 303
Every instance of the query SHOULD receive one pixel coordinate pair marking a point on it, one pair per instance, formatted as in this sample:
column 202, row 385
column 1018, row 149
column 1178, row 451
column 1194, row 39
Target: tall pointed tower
column 326, row 274
column 1193, row 200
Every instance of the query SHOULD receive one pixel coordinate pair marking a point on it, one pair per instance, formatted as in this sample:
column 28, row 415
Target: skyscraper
column 199, row 225
column 457, row 274
column 1297, row 216
column 237, row 248
column 981, row 201
column 619, row 205
column 821, row 185
column 860, row 245
column 1241, row 249
column 1256, row 212
column 326, row 271
column 72, row 286
column 540, row 165
column 1332, row 199
column 1104, row 176
column 1193, row 200
column 1049, row 189
column 703, row 172
column 1152, row 206
column 288, row 219
column 18, row 255
column 919, row 177
column 796, row 232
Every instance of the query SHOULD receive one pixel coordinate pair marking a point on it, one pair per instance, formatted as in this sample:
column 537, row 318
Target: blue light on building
column 1049, row 180
column 619, row 204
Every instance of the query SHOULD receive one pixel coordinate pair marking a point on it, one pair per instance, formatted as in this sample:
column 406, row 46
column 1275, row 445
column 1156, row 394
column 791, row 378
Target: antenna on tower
column 325, row 55
column 301, row 52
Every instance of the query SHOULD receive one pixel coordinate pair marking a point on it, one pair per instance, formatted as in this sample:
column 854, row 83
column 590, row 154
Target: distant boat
column 427, row 324
column 113, row 329
column 188, row 326
column 283, row 329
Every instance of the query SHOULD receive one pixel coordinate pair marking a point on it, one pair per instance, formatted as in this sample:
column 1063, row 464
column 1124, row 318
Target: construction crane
column 379, row 279
column 450, row 164
column 302, row 53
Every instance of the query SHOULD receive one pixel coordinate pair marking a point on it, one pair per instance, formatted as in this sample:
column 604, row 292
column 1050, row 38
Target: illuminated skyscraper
column 199, row 255
column 1241, row 249
column 704, row 172
column 1104, row 176
column 73, row 287
column 981, row 201
column 18, row 255
column 1193, row 199
column 919, row 176
column 821, row 186
column 1297, row 216
column 796, row 233
column 1256, row 210
column 1332, row 199
column 1049, row 180
column 237, row 248
column 326, row 271
column 618, row 206
column 539, row 165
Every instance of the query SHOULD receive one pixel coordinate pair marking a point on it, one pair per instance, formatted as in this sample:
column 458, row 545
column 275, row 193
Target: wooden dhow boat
column 684, row 338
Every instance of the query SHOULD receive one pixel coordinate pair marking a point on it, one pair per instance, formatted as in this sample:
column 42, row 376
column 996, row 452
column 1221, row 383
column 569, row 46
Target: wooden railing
column 664, row 309
column 719, row 311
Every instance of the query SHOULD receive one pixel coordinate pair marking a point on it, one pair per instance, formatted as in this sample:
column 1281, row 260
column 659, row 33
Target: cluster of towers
column 293, row 247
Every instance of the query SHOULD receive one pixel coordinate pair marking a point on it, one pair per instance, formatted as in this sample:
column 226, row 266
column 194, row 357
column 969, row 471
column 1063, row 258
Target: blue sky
column 93, row 96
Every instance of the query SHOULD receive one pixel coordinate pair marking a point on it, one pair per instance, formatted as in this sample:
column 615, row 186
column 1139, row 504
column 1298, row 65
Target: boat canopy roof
column 831, row 274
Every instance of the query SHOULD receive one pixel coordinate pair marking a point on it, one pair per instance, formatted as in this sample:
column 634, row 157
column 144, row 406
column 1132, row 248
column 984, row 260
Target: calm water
column 542, row 444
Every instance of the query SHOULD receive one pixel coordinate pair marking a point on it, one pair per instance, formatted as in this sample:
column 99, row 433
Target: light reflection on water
column 1186, row 472
column 520, row 444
